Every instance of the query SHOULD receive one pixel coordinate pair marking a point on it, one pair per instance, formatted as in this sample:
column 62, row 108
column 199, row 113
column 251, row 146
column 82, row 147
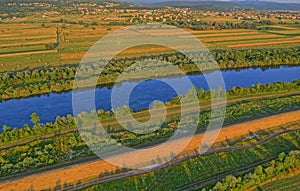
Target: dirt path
column 84, row 171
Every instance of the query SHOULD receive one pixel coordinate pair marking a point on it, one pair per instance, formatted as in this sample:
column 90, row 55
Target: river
column 15, row 113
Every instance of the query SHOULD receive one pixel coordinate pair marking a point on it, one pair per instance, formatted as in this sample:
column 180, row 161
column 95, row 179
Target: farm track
column 52, row 135
column 71, row 174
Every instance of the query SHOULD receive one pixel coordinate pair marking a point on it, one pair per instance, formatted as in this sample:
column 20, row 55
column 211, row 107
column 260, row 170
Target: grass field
column 23, row 40
column 286, row 184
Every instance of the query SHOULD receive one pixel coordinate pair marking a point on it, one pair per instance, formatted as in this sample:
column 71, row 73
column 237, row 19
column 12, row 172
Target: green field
column 183, row 175
column 286, row 184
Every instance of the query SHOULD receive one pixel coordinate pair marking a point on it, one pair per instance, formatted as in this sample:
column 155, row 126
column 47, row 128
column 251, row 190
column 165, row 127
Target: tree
column 259, row 170
column 35, row 119
column 6, row 128
column 218, row 186
column 281, row 156
column 231, row 181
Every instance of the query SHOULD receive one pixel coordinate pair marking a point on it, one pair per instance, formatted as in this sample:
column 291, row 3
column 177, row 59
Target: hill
column 219, row 5
column 264, row 5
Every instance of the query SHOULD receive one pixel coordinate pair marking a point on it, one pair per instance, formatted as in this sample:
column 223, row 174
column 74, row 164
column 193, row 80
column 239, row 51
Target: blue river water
column 16, row 113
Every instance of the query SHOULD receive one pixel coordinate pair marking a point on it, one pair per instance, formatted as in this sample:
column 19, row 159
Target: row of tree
column 38, row 81
column 233, row 112
column 213, row 25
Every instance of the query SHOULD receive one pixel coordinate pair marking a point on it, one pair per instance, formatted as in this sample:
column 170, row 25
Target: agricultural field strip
column 28, row 43
column 73, row 34
column 20, row 49
column 26, row 38
column 255, row 40
column 221, row 41
column 182, row 159
column 284, row 183
column 78, row 55
column 28, row 53
column 88, row 40
column 89, row 169
column 28, row 33
column 141, row 116
column 203, row 183
column 174, row 162
column 280, row 27
column 244, row 38
column 211, row 37
column 263, row 44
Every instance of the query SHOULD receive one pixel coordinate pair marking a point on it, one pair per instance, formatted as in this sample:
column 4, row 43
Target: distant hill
column 219, row 5
column 263, row 5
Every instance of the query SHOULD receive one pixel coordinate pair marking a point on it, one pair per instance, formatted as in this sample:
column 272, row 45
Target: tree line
column 29, row 82
column 213, row 25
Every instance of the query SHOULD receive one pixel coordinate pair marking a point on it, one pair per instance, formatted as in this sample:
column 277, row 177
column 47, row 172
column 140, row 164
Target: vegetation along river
column 15, row 113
